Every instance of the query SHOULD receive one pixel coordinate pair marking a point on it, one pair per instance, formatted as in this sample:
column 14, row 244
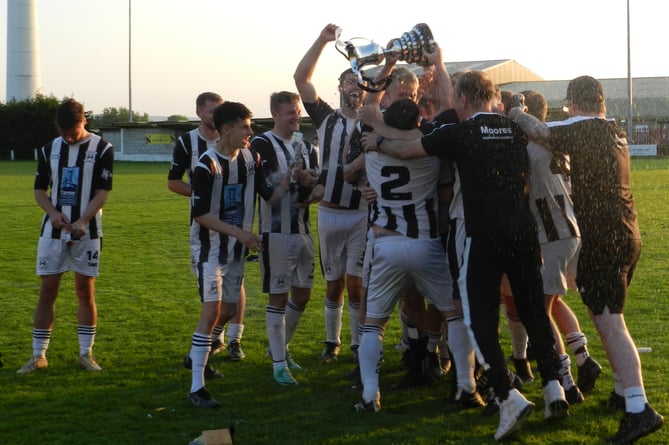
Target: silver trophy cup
column 410, row 47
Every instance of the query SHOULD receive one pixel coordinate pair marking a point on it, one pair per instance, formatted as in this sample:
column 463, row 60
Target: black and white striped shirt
column 72, row 174
column 226, row 187
column 550, row 194
column 186, row 153
column 277, row 155
column 334, row 133
column 407, row 199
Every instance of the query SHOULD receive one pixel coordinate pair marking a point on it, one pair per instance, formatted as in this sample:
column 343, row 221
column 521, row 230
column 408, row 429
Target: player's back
column 407, row 194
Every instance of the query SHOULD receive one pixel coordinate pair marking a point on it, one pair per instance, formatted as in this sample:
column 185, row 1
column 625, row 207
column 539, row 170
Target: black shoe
column 235, row 351
column 209, row 372
column 483, row 386
column 202, row 399
column 216, row 347
column 516, row 381
column 373, row 406
column 468, row 400
column 615, row 402
column 523, row 370
column 330, row 352
column 587, row 375
column 574, row 395
column 634, row 426
column 417, row 363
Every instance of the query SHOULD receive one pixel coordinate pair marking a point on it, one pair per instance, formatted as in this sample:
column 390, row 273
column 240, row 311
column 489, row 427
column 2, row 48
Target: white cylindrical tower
column 23, row 70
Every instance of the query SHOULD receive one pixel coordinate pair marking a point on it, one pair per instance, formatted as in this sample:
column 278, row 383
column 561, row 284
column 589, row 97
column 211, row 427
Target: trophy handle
column 341, row 48
column 364, row 82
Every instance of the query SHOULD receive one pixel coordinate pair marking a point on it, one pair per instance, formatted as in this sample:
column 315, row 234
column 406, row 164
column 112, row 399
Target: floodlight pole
column 129, row 60
column 629, row 79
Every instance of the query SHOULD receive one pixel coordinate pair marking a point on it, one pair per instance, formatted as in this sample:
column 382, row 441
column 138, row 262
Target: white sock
column 275, row 323
column 462, row 353
column 577, row 342
column 332, row 313
column 565, row 372
column 235, row 332
column 370, row 355
column 199, row 353
column 41, row 339
column 86, row 336
column 635, row 399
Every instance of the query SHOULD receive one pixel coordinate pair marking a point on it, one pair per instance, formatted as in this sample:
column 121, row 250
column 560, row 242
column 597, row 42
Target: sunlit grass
column 148, row 308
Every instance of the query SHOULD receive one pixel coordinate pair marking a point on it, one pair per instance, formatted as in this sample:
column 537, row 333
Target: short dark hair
column 282, row 97
column 506, row 97
column 403, row 114
column 586, row 92
column 229, row 113
column 346, row 73
column 536, row 104
column 69, row 114
column 207, row 96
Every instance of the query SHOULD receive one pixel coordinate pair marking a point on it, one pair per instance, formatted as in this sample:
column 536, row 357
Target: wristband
column 379, row 140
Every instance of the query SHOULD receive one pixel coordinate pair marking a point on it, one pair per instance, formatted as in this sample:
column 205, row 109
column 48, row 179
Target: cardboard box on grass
column 217, row 437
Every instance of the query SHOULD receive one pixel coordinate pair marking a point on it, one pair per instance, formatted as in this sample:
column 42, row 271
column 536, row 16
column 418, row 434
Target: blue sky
column 247, row 50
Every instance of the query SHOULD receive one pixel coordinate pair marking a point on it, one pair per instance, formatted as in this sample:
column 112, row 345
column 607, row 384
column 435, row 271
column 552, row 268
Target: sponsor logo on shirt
column 496, row 133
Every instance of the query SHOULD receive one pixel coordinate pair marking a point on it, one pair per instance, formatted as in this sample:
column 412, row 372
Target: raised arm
column 442, row 80
column 385, row 72
column 305, row 69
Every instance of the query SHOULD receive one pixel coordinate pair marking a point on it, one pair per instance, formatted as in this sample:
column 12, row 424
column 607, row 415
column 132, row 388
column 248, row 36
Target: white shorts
column 220, row 282
column 559, row 266
column 399, row 263
column 55, row 257
column 341, row 239
column 287, row 261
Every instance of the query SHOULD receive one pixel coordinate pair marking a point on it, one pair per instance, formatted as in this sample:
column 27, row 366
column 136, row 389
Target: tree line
column 28, row 124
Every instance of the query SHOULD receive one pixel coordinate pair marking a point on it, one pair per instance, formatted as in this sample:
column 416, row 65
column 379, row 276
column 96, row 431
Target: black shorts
column 605, row 269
